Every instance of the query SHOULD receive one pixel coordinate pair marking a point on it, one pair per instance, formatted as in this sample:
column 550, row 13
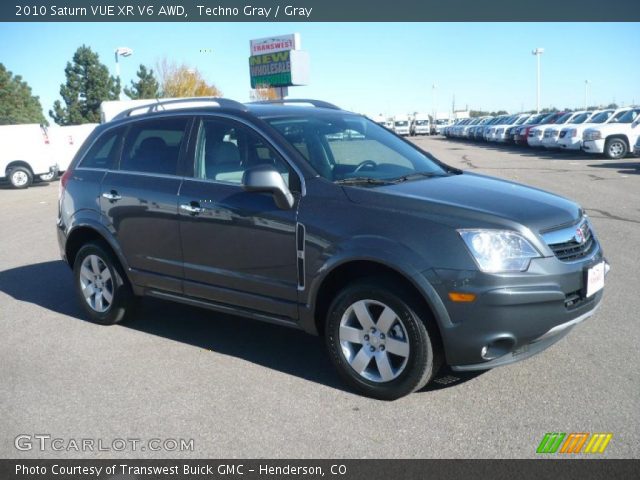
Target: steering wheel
column 366, row 163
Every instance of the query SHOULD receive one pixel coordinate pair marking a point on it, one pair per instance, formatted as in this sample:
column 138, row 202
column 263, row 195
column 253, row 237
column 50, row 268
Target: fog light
column 497, row 348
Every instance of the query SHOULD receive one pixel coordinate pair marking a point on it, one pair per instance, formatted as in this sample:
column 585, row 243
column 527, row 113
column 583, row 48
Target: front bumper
column 534, row 141
column 593, row 146
column 514, row 316
column 570, row 143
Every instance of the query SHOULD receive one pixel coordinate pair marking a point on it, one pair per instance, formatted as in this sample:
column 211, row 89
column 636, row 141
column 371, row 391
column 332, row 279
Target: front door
column 239, row 248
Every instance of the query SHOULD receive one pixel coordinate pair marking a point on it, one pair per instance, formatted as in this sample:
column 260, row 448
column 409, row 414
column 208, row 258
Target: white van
column 402, row 124
column 26, row 155
column 67, row 140
column 422, row 124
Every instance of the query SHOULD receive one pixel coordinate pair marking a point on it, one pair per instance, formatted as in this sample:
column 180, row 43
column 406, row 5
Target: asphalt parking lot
column 245, row 389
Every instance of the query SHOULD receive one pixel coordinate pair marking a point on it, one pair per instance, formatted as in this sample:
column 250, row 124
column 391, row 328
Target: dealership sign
column 276, row 62
column 279, row 43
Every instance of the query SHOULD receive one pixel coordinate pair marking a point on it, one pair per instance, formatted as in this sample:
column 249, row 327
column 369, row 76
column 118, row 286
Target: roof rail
column 159, row 105
column 284, row 101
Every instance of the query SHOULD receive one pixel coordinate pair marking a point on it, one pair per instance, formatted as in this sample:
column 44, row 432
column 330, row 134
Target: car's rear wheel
column 101, row 286
column 378, row 341
column 20, row 177
column 615, row 148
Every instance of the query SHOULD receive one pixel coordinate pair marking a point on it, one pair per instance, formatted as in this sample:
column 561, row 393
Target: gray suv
column 304, row 215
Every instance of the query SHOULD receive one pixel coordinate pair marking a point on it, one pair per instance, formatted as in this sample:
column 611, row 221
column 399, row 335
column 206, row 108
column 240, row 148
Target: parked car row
column 415, row 124
column 609, row 132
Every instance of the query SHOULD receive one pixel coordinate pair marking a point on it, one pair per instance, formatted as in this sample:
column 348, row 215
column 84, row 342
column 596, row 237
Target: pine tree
column 145, row 87
column 88, row 85
column 17, row 104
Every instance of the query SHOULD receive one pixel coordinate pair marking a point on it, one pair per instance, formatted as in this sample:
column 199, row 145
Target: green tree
column 88, row 85
column 17, row 104
column 145, row 87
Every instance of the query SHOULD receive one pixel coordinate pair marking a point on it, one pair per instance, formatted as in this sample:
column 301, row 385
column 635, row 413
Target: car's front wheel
column 615, row 148
column 378, row 341
column 102, row 289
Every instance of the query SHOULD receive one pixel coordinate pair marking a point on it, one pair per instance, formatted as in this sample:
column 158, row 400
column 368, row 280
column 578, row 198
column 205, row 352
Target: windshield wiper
column 362, row 181
column 415, row 176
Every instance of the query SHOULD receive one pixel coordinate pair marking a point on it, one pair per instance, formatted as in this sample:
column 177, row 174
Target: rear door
column 239, row 248
column 139, row 200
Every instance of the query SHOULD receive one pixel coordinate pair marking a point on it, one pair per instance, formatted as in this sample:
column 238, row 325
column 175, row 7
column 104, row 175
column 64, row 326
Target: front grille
column 575, row 249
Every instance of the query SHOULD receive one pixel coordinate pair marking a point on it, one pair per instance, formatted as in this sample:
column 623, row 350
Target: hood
column 473, row 196
column 611, row 127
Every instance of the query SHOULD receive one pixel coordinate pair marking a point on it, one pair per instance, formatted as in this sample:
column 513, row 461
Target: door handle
column 112, row 196
column 192, row 208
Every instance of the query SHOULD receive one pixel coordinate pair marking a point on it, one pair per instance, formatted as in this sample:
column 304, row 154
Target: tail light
column 62, row 185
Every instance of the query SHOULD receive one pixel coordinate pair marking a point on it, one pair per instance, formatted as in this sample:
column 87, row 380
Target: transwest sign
column 278, row 43
column 277, row 62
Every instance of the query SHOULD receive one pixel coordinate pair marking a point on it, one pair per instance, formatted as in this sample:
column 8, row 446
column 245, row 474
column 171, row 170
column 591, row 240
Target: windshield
column 548, row 118
column 534, row 119
column 402, row 123
column 563, row 119
column 601, row 117
column 373, row 154
column 422, row 122
column 441, row 122
column 628, row 117
column 521, row 120
column 580, row 118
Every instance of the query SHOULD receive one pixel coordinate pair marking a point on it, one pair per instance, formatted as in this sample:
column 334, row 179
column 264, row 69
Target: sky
column 370, row 68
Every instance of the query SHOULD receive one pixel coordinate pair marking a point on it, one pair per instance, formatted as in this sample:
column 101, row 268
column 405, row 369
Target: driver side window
column 225, row 150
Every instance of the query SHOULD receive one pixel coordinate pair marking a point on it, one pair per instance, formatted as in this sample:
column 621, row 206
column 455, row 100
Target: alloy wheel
column 96, row 283
column 374, row 341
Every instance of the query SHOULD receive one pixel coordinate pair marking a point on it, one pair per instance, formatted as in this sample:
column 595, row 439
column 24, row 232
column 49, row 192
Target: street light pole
column 434, row 108
column 586, row 94
column 537, row 52
column 121, row 52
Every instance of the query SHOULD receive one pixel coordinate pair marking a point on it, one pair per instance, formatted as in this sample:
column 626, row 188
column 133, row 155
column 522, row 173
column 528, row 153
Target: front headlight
column 497, row 251
column 592, row 135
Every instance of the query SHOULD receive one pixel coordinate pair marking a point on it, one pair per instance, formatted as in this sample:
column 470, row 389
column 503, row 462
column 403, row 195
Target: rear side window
column 153, row 146
column 103, row 153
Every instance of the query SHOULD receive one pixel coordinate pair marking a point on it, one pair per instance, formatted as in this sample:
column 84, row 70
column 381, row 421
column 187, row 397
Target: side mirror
column 265, row 178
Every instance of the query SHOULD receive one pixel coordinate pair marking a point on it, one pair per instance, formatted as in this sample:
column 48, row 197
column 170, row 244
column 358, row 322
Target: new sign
column 278, row 66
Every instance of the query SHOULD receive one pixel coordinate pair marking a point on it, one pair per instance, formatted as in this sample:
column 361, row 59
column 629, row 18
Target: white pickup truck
column 614, row 139
column 26, row 155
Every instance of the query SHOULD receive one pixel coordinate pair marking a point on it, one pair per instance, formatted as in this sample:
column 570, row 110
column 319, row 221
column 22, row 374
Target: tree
column 183, row 81
column 88, row 85
column 264, row 93
column 17, row 104
column 145, row 87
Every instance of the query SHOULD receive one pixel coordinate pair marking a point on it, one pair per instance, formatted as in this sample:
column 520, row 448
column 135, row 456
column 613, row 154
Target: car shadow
column 50, row 285
column 626, row 168
column 5, row 185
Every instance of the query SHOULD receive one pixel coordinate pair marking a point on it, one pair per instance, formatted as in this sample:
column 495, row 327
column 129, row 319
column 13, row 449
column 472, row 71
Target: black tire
column 123, row 300
column 424, row 356
column 616, row 148
column 20, row 177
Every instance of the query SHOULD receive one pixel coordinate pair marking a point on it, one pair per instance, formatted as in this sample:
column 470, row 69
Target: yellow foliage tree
column 264, row 93
column 184, row 81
